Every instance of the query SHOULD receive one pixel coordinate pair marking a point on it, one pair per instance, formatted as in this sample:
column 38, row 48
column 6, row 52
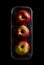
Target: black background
column 38, row 31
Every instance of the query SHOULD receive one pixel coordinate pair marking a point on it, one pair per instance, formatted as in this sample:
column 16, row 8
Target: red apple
column 22, row 47
column 23, row 31
column 23, row 17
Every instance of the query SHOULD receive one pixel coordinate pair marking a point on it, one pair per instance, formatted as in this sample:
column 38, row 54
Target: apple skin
column 23, row 17
column 23, row 31
column 22, row 50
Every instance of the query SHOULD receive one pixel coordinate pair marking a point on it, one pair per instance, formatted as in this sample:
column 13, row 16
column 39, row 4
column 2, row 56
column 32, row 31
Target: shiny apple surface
column 22, row 47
